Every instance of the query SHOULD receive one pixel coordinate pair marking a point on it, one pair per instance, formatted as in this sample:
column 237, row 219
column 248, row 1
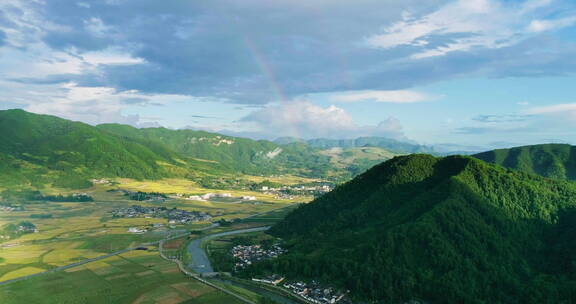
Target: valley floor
column 81, row 231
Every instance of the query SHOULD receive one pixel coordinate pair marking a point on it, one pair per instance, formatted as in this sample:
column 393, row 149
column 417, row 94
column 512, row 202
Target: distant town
column 209, row 196
column 10, row 208
column 316, row 293
column 173, row 215
column 247, row 255
column 288, row 192
column 313, row 292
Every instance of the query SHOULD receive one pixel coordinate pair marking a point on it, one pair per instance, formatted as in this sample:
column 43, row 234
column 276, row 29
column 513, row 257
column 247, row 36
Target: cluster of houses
column 316, row 293
column 102, row 181
column 271, row 279
column 246, row 255
column 137, row 230
column 217, row 140
column 173, row 215
column 10, row 208
column 209, row 196
column 26, row 227
column 11, row 231
column 288, row 192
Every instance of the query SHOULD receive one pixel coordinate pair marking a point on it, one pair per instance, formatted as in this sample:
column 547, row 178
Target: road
column 197, row 277
column 100, row 257
column 200, row 262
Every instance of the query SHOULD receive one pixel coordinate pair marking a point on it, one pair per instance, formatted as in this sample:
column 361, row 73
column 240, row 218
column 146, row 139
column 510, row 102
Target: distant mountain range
column 389, row 144
column 42, row 149
column 437, row 230
column 550, row 160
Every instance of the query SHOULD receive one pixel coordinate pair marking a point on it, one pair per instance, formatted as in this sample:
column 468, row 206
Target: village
column 10, row 208
column 288, row 192
column 208, row 196
column 312, row 292
column 246, row 255
column 316, row 293
column 12, row 231
column 174, row 215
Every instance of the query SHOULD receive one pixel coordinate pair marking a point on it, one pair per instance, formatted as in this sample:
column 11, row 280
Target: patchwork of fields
column 138, row 277
column 76, row 231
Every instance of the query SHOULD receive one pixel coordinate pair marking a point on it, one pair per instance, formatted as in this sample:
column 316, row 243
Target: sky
column 467, row 74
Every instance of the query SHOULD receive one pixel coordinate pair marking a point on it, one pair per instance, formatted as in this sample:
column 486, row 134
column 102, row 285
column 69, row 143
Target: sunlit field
column 135, row 277
column 79, row 231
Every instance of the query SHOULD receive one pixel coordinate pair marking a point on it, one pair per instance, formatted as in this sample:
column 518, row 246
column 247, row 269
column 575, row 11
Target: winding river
column 200, row 262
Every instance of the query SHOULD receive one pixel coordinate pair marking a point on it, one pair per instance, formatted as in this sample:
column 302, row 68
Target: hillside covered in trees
column 38, row 150
column 440, row 230
column 234, row 153
column 550, row 160
column 41, row 149
column 389, row 144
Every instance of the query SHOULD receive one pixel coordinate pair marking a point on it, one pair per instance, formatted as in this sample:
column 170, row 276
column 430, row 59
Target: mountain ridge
column 412, row 227
column 549, row 160
column 41, row 149
column 392, row 145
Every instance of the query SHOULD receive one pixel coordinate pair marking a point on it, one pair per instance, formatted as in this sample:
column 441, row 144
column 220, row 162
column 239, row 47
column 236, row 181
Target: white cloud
column 532, row 5
column 96, row 26
column 464, row 25
column 306, row 120
column 93, row 105
column 398, row 96
column 547, row 25
column 110, row 57
column 567, row 111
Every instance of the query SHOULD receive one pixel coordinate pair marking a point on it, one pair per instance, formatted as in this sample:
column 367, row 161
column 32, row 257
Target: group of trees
column 145, row 196
column 451, row 230
column 11, row 230
column 35, row 195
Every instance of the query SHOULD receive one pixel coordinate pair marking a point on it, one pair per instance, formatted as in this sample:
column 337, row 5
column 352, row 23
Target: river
column 200, row 262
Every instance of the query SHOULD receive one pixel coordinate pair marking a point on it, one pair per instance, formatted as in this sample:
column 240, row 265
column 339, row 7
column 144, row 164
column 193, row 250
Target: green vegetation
column 64, row 198
column 144, row 196
column 34, row 195
column 135, row 277
column 551, row 160
column 261, row 157
column 442, row 230
column 233, row 153
column 381, row 142
column 41, row 216
column 219, row 249
column 10, row 231
column 41, row 149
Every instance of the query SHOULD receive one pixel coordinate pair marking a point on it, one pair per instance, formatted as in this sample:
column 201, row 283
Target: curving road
column 170, row 237
column 200, row 262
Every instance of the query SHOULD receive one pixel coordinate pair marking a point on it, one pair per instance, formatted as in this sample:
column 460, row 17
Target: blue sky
column 473, row 73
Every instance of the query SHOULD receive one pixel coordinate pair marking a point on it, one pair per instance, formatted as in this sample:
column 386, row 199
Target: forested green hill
column 441, row 230
column 38, row 150
column 549, row 160
column 252, row 156
column 392, row 145
column 41, row 149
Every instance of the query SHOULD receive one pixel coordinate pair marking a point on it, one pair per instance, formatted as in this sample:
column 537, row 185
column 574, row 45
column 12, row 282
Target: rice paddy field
column 83, row 230
column 138, row 277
